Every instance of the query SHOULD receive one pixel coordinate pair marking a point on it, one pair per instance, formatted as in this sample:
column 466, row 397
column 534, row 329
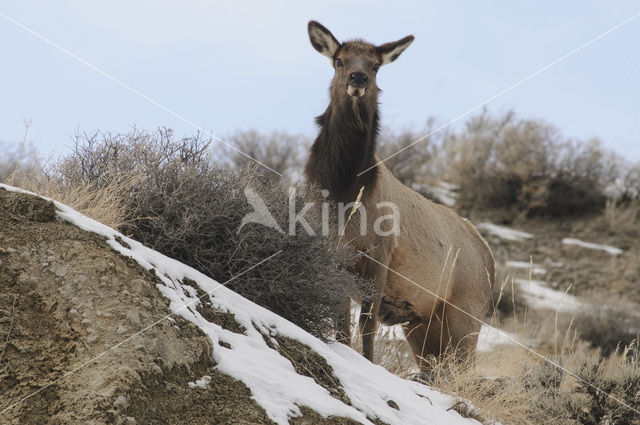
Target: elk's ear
column 390, row 51
column 322, row 40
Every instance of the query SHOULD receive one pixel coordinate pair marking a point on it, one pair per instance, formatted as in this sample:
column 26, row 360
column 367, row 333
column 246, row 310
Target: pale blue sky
column 249, row 65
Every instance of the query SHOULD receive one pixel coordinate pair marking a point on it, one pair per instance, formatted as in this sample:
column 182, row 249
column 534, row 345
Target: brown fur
column 435, row 250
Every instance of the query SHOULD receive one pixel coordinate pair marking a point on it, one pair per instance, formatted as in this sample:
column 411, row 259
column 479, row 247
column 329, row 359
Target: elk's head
column 356, row 62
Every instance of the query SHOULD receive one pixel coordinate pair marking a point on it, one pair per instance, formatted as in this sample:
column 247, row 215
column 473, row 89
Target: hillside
column 97, row 328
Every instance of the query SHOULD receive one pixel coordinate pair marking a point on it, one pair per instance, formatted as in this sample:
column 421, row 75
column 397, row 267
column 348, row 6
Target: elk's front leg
column 371, row 303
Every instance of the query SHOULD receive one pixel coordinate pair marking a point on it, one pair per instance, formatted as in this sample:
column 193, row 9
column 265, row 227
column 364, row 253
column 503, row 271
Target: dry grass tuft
column 106, row 203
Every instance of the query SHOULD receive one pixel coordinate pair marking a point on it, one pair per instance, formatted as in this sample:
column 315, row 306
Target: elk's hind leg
column 463, row 331
column 448, row 330
column 427, row 339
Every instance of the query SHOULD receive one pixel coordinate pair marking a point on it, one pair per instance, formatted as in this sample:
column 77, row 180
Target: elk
column 433, row 251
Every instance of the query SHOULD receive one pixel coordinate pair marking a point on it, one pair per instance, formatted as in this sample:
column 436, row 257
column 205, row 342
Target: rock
column 161, row 349
column 128, row 375
column 133, row 316
column 121, row 403
column 156, row 369
column 137, row 285
column 60, row 271
column 141, row 348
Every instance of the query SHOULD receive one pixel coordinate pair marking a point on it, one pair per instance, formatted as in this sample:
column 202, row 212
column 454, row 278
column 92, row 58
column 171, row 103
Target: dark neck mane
column 344, row 148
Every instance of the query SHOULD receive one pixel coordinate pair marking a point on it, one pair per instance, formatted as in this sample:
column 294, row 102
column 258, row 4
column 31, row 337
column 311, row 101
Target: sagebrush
column 527, row 166
column 183, row 205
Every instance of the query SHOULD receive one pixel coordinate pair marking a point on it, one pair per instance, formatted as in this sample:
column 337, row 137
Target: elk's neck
column 344, row 148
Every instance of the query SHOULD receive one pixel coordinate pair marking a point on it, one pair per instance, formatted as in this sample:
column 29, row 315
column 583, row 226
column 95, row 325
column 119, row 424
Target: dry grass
column 24, row 168
column 106, row 204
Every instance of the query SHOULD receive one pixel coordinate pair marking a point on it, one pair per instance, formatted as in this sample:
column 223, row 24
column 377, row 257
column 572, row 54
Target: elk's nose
column 358, row 77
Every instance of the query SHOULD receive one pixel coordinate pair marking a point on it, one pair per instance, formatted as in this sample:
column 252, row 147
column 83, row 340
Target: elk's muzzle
column 355, row 86
column 358, row 78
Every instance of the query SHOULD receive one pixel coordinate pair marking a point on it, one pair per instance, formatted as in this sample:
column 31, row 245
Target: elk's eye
column 339, row 62
column 376, row 67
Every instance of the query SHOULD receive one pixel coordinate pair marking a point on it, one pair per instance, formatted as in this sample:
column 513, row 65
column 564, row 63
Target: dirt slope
column 66, row 297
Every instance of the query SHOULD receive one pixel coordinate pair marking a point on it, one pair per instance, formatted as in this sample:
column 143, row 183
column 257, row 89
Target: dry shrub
column 626, row 188
column 188, row 209
column 608, row 326
column 282, row 152
column 15, row 158
column 606, row 391
column 411, row 162
column 621, row 218
column 526, row 166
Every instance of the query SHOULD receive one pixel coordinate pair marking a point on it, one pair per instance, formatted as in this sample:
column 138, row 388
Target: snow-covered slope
column 372, row 392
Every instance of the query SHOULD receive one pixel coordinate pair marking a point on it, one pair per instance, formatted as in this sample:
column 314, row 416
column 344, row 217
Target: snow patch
column 272, row 379
column 442, row 191
column 535, row 268
column 539, row 296
column 392, row 332
column 606, row 248
column 489, row 338
column 504, row 232
column 200, row 383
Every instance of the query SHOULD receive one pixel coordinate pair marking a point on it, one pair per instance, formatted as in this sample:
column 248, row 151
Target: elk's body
column 433, row 255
